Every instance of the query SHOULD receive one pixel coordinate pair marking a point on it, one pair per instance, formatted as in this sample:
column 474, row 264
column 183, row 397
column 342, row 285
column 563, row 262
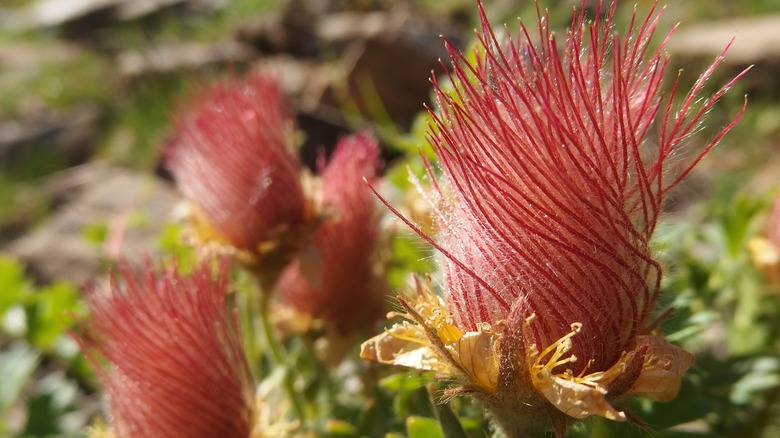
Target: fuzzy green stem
column 249, row 307
column 277, row 355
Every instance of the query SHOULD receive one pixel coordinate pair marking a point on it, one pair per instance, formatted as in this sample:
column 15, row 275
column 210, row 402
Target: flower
column 336, row 279
column 765, row 251
column 552, row 182
column 168, row 351
column 773, row 224
column 232, row 158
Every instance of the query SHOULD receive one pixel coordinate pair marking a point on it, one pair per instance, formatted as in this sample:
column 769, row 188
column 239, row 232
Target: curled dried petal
column 429, row 341
column 662, row 370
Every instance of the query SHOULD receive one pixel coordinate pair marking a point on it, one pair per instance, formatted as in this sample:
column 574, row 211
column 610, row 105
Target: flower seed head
column 232, row 157
column 168, row 351
column 335, row 279
column 555, row 161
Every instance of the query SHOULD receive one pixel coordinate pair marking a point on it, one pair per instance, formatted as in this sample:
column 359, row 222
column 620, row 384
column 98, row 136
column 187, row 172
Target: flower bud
column 552, row 182
column 765, row 251
column 335, row 279
column 169, row 354
column 232, row 158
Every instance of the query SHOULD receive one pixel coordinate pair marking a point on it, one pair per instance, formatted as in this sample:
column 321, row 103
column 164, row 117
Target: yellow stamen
column 558, row 349
column 577, row 396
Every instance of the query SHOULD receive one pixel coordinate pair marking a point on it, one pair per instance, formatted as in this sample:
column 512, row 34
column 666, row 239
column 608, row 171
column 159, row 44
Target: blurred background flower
column 765, row 250
column 338, row 279
column 233, row 157
column 169, row 354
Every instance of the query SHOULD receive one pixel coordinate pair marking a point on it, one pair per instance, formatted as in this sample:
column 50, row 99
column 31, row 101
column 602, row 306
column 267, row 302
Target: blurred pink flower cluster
column 234, row 158
column 175, row 363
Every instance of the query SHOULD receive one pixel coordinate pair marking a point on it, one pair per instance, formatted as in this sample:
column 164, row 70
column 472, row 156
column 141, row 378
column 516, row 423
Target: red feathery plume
column 335, row 280
column 555, row 160
column 174, row 362
column 232, row 157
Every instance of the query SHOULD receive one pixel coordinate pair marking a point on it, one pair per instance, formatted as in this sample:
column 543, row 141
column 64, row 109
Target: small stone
column 132, row 208
column 67, row 136
column 756, row 40
column 172, row 58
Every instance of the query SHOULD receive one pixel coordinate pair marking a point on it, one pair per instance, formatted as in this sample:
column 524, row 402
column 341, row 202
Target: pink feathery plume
column 336, row 280
column 556, row 159
column 168, row 351
column 232, row 157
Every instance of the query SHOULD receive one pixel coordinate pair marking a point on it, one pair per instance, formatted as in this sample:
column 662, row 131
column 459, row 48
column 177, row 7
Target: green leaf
column 14, row 287
column 169, row 241
column 415, row 140
column 404, row 382
column 338, row 428
column 95, row 233
column 377, row 416
column 760, row 376
column 423, row 427
column 49, row 317
column 690, row 405
column 17, row 364
column 681, row 434
column 52, row 408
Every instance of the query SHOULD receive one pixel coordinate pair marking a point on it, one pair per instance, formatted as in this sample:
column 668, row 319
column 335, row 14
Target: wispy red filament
column 553, row 180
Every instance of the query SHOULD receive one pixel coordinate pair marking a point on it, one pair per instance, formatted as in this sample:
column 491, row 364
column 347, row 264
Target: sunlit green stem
column 275, row 350
column 249, row 308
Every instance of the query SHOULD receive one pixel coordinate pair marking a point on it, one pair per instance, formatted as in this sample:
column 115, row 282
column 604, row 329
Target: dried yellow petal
column 662, row 370
column 574, row 399
column 576, row 396
column 405, row 345
column 582, row 396
column 430, row 341
column 475, row 354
